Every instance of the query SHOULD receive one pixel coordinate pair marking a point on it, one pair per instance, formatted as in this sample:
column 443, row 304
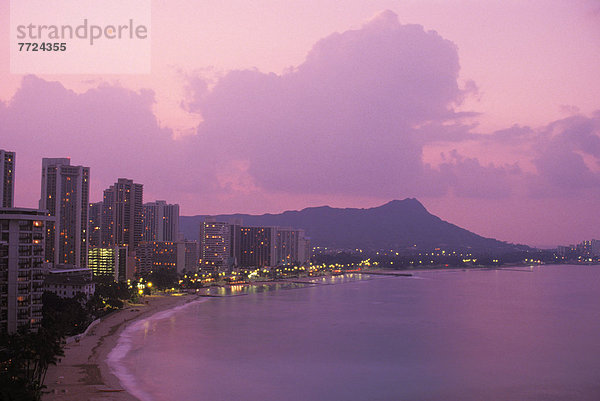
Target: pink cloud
column 110, row 129
column 349, row 119
column 349, row 123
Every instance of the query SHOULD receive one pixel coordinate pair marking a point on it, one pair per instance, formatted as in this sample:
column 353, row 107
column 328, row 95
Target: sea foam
column 116, row 356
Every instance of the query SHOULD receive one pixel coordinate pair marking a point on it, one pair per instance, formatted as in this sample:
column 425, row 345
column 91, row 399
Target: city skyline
column 501, row 135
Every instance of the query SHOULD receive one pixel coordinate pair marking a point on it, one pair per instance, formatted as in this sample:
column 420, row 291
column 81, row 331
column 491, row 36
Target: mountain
column 396, row 225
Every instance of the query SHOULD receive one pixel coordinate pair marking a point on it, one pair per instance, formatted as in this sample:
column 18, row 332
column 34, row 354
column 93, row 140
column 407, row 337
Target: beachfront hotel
column 95, row 225
column 161, row 221
column 270, row 246
column 21, row 267
column 109, row 262
column 7, row 172
column 122, row 212
column 67, row 281
column 65, row 195
column 215, row 245
column 223, row 246
column 181, row 256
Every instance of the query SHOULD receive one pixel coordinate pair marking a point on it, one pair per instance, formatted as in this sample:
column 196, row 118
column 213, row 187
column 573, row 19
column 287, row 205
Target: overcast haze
column 488, row 112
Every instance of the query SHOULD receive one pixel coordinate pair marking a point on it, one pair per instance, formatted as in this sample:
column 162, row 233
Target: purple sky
column 487, row 112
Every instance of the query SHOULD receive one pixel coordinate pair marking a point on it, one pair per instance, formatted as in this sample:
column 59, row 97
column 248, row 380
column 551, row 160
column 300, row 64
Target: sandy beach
column 83, row 374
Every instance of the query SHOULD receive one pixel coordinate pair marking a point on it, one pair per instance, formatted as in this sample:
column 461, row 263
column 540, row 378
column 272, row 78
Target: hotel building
column 122, row 222
column 257, row 247
column 21, row 267
column 268, row 246
column 7, row 172
column 110, row 262
column 68, row 281
column 65, row 195
column 161, row 221
column 215, row 245
column 95, row 225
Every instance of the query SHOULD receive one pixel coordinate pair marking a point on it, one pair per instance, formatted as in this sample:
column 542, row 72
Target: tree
column 68, row 316
column 24, row 360
column 163, row 279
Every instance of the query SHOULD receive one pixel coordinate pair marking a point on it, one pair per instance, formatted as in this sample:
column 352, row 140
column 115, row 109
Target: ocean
column 509, row 334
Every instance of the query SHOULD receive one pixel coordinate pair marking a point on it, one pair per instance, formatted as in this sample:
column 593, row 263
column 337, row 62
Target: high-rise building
column 268, row 246
column 290, row 247
column 192, row 256
column 161, row 221
column 157, row 255
column 7, row 172
column 595, row 247
column 65, row 195
column 95, row 225
column 257, row 247
column 215, row 245
column 589, row 248
column 122, row 222
column 110, row 262
column 21, row 268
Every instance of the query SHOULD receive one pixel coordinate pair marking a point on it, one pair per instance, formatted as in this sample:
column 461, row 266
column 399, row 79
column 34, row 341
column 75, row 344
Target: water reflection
column 256, row 288
column 494, row 335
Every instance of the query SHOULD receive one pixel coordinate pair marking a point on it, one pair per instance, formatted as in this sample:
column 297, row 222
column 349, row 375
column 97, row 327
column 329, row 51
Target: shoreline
column 83, row 373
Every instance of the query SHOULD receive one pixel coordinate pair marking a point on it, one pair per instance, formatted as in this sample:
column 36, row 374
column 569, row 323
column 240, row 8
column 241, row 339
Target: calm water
column 512, row 335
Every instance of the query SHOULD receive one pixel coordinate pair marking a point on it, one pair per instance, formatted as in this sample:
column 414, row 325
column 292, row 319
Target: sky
column 488, row 112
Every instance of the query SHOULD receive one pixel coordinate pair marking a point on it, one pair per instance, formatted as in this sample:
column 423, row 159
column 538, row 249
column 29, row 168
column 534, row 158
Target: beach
column 83, row 373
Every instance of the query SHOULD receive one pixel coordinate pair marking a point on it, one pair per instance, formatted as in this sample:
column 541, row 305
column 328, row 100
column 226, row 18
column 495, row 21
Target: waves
column 117, row 357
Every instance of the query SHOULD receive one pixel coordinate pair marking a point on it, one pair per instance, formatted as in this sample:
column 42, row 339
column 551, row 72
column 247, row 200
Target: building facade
column 215, row 245
column 95, row 225
column 268, row 246
column 65, row 195
column 122, row 214
column 290, row 247
column 161, row 221
column 257, row 247
column 68, row 281
column 159, row 255
column 7, row 172
column 110, row 262
column 192, row 256
column 21, row 268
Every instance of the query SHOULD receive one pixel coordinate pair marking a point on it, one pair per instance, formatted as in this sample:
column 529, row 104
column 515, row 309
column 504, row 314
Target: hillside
column 395, row 225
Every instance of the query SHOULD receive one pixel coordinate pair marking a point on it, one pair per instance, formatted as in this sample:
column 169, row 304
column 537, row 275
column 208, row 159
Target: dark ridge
column 398, row 224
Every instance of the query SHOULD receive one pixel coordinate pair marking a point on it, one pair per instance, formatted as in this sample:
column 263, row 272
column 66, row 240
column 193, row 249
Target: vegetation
column 110, row 295
column 25, row 356
column 24, row 361
column 163, row 279
column 68, row 316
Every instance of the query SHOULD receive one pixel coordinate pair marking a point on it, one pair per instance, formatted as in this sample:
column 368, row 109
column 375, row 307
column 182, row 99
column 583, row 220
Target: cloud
column 351, row 119
column 468, row 178
column 351, row 122
column 568, row 157
column 110, row 129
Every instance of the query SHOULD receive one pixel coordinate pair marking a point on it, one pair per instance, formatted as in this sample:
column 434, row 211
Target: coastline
column 83, row 373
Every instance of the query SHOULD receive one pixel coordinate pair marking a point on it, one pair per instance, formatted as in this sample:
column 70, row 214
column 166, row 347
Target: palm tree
column 24, row 361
